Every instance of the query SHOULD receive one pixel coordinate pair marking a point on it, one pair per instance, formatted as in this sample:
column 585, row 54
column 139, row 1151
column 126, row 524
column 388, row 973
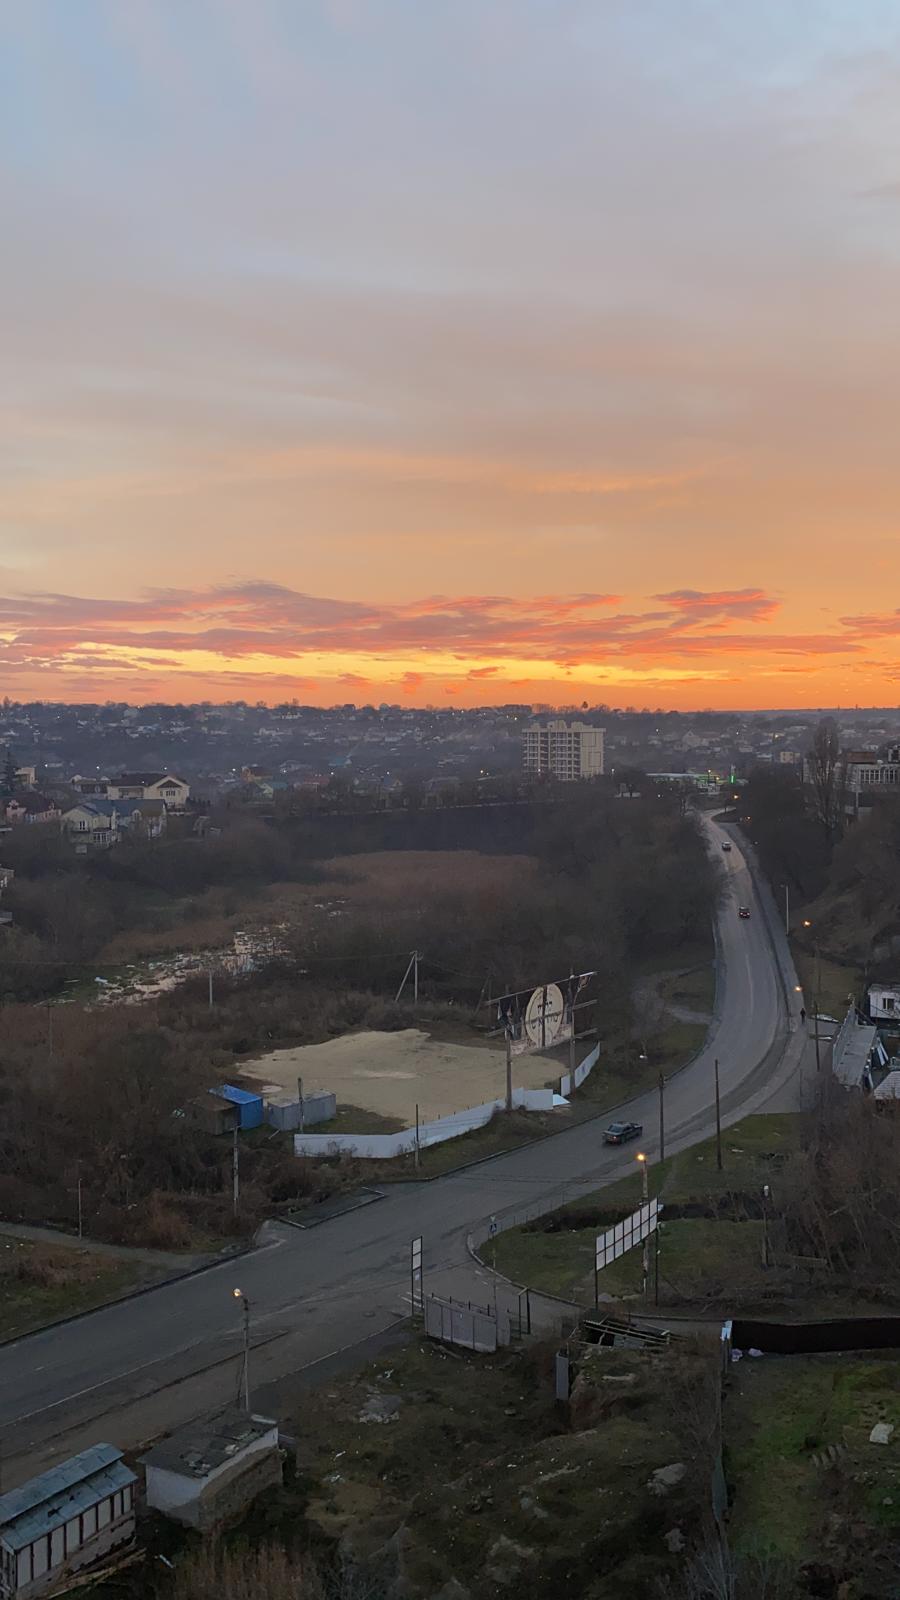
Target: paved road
column 120, row 1373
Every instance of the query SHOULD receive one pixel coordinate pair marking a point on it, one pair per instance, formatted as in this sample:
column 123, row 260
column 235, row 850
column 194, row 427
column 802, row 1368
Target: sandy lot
column 391, row 1072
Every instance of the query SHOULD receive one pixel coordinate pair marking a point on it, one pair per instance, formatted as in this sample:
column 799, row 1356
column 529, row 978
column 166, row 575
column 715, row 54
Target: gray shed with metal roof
column 71, row 1517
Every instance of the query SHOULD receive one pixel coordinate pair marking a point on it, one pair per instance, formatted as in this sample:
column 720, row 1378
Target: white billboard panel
column 625, row 1235
column 544, row 1015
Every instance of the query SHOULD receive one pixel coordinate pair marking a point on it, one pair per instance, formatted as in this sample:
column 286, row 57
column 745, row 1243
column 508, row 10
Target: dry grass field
column 366, row 884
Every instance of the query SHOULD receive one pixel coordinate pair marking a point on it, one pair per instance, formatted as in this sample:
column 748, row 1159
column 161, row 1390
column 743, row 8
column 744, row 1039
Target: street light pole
column 787, row 909
column 645, row 1195
column 245, row 1376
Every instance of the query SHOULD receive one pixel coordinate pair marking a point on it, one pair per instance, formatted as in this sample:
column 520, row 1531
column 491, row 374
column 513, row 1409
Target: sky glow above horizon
column 476, row 351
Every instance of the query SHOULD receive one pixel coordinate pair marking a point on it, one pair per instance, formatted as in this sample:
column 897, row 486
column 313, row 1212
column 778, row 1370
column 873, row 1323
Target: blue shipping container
column 250, row 1106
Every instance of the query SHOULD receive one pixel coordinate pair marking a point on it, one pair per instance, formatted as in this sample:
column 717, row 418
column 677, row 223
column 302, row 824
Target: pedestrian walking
column 803, row 1015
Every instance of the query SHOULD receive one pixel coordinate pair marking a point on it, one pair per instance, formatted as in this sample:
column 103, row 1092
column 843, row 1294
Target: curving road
column 133, row 1369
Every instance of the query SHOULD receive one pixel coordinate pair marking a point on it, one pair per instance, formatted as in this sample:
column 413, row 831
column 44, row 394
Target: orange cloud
column 261, row 634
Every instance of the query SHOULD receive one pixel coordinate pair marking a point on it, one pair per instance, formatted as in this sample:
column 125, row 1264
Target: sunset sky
column 455, row 351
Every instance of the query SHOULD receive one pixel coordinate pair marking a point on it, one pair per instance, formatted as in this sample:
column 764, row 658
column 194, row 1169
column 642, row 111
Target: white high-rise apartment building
column 564, row 750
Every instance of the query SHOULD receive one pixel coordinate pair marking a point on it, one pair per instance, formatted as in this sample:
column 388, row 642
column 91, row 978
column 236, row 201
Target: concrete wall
column 383, row 1146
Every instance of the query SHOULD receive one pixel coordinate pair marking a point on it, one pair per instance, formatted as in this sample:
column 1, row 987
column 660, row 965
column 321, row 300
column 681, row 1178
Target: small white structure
column 210, row 1471
column 889, row 1087
column 72, row 1517
column 884, row 1002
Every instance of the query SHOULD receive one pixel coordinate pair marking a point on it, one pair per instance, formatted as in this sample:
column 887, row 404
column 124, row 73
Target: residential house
column 165, row 786
column 73, row 1517
column 94, row 822
column 208, row 1473
column 884, row 1002
column 31, row 808
column 101, row 821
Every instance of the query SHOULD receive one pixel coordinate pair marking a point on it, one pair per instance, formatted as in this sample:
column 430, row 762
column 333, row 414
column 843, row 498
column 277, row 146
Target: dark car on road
column 726, row 845
column 619, row 1132
column 743, row 911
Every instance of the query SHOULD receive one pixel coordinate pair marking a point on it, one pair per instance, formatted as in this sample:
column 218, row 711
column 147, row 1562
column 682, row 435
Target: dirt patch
column 392, row 1073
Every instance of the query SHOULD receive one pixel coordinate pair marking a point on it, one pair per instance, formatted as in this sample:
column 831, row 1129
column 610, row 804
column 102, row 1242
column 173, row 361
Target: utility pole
column 718, row 1120
column 765, row 1201
column 245, row 1374
column 235, row 1175
column 80, row 1213
column 416, row 1152
column 787, row 909
column 645, row 1195
column 508, row 1070
column 412, row 967
column 300, row 1103
column 662, row 1118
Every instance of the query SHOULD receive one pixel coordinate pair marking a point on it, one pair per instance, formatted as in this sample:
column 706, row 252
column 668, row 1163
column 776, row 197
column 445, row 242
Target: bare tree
column 826, row 770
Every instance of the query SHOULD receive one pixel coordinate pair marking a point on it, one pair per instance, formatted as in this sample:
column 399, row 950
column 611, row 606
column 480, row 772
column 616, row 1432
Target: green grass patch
column 356, row 1119
column 779, row 1413
column 40, row 1283
column 834, row 981
column 700, row 1256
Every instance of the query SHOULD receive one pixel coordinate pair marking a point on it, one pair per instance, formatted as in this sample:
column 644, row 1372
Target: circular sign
column 544, row 1015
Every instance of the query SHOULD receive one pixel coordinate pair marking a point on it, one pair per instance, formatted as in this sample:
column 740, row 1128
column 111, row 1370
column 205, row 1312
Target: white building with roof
column 72, row 1517
column 207, row 1473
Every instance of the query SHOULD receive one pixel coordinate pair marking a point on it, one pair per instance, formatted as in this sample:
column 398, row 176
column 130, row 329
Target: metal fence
column 473, row 1327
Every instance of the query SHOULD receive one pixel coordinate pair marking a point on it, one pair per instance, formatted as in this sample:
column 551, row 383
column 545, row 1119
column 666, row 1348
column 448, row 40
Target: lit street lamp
column 245, row 1375
column 645, row 1194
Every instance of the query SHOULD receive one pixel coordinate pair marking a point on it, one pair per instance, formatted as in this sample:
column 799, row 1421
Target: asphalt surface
column 135, row 1368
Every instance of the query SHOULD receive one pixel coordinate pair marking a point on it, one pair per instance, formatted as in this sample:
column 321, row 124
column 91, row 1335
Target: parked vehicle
column 726, row 845
column 620, row 1132
column 743, row 911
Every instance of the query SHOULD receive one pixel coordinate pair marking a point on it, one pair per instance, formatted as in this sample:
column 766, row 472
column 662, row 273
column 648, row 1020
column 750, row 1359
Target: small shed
column 283, row 1110
column 214, row 1113
column 207, row 1473
column 889, row 1087
column 72, row 1517
column 249, row 1106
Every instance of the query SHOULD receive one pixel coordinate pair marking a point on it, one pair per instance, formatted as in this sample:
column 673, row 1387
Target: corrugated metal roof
column 75, row 1485
column 239, row 1097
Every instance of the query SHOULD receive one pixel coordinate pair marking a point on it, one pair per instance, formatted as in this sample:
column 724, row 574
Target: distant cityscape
column 219, row 749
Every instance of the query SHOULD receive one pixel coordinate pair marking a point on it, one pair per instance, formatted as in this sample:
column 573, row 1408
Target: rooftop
column 197, row 1450
column 44, row 1502
column 238, row 1097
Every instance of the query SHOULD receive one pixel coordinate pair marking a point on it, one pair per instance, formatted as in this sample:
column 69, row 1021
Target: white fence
column 382, row 1146
column 574, row 1080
